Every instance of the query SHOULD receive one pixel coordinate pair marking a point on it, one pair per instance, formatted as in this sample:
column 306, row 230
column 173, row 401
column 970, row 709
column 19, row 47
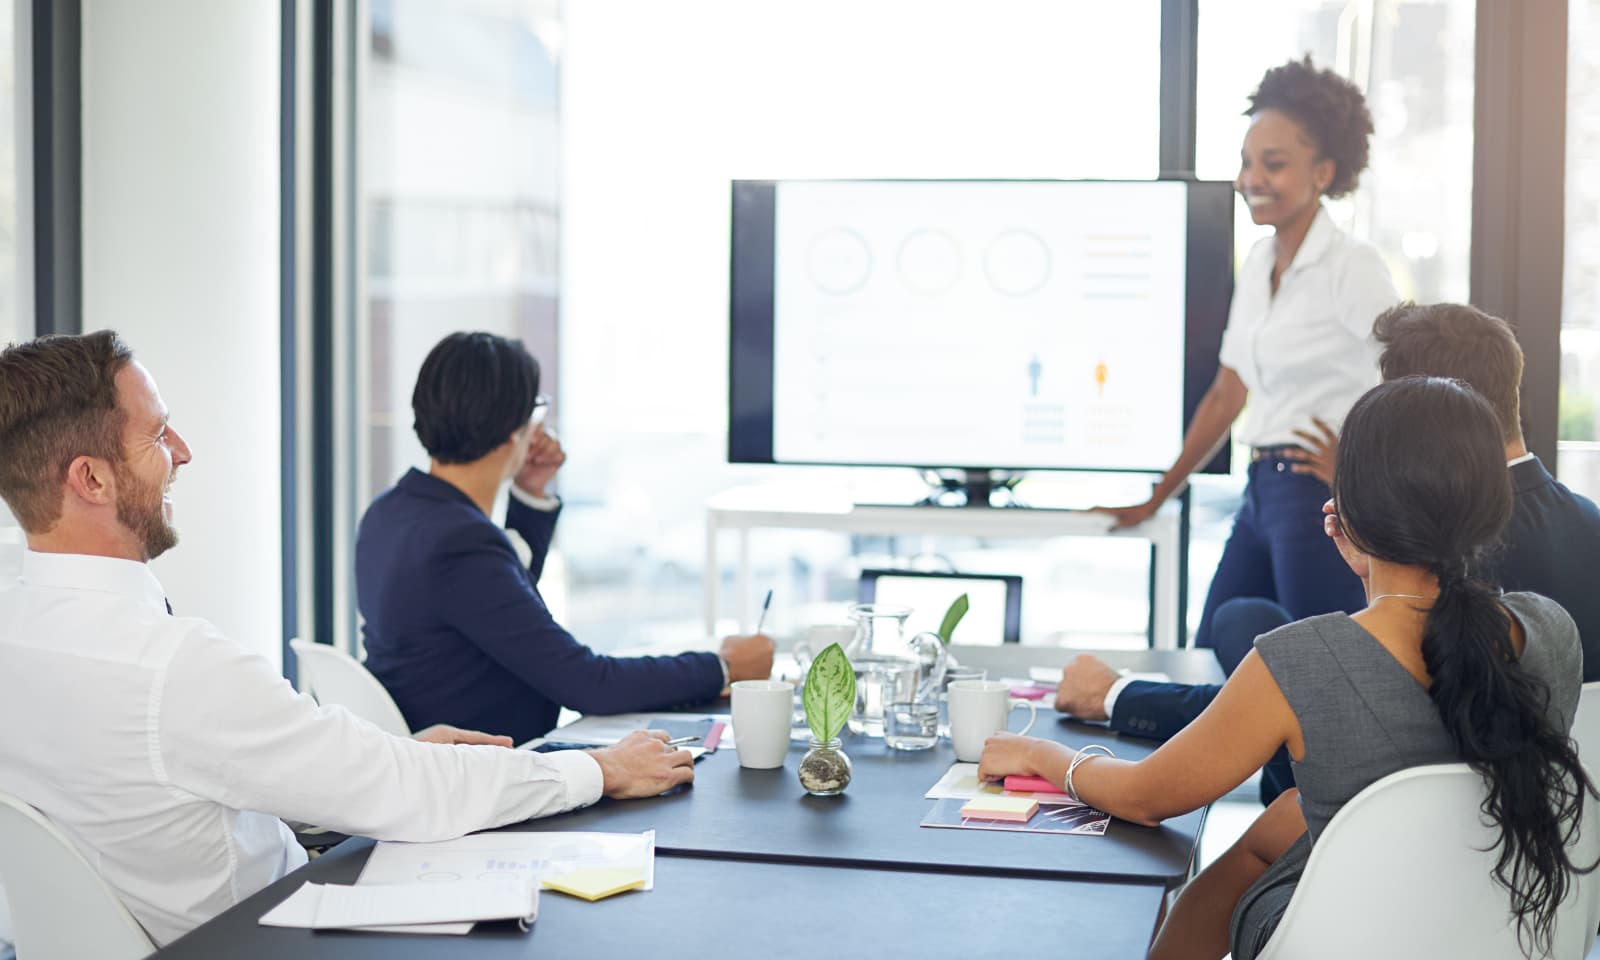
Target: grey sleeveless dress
column 1364, row 717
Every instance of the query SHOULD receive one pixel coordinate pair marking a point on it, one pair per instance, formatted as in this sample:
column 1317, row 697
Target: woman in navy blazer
column 455, row 627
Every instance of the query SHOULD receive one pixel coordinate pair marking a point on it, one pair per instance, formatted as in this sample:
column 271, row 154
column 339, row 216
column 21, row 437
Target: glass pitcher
column 890, row 667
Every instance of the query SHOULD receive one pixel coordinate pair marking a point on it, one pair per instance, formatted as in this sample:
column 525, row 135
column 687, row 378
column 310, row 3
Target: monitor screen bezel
column 1207, row 293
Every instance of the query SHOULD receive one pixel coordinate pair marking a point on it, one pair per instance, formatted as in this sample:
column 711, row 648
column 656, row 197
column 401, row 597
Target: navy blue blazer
column 456, row 630
column 1551, row 546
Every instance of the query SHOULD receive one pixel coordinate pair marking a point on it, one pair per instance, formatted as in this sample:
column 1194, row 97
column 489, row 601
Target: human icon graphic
column 1035, row 368
column 1100, row 378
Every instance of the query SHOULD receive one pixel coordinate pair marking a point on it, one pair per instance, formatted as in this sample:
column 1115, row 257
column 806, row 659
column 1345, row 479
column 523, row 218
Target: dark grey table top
column 706, row 908
column 734, row 813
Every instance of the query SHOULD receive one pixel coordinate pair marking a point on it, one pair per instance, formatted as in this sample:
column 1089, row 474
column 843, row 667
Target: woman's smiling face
column 1282, row 171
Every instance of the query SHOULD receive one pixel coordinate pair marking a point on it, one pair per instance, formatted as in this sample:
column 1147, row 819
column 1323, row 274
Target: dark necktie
column 169, row 605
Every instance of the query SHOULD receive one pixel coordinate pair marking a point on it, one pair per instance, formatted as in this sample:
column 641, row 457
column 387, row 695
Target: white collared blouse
column 1308, row 350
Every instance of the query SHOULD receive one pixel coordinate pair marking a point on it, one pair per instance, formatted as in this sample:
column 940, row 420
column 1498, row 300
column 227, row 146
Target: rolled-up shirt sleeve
column 229, row 729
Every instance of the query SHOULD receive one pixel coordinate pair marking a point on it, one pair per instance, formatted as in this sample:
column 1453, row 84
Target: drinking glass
column 912, row 725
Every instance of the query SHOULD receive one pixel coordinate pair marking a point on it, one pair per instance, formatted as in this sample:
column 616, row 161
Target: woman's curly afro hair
column 1330, row 108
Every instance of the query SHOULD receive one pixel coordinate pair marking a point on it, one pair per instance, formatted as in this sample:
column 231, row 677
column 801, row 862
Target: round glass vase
column 825, row 770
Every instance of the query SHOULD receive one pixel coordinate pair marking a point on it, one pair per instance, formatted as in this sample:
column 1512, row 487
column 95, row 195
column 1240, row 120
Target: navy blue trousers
column 1277, row 551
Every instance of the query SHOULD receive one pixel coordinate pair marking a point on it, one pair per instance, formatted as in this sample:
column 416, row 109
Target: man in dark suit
column 1551, row 545
column 454, row 624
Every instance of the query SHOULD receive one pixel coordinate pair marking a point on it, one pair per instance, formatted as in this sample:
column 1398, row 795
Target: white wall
column 180, row 255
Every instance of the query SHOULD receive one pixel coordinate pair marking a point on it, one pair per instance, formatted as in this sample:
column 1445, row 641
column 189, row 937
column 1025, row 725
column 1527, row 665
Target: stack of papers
column 448, row 886
column 407, row 907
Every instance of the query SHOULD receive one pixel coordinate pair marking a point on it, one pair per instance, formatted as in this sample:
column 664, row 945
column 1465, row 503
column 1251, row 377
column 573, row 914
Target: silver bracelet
column 1087, row 752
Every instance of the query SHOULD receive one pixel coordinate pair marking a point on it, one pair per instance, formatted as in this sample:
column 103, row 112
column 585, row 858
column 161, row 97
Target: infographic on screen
column 1006, row 324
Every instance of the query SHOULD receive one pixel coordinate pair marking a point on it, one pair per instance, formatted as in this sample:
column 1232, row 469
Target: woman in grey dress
column 1438, row 668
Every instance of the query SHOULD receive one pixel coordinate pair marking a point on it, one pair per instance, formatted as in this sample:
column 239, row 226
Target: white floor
column 1229, row 818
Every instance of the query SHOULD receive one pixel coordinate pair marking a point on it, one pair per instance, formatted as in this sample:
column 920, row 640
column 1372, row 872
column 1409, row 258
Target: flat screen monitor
column 994, row 602
column 977, row 324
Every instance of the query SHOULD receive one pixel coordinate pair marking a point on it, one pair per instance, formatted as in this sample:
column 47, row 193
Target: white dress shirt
column 1308, row 350
column 168, row 753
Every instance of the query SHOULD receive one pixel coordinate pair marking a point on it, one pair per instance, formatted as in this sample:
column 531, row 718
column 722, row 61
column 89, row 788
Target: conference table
column 748, row 863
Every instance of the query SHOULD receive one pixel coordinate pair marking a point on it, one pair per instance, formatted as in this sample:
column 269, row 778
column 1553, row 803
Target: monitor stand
column 970, row 488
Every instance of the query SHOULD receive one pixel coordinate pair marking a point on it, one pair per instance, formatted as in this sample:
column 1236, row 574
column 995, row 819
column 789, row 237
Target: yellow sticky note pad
column 1015, row 809
column 596, row 883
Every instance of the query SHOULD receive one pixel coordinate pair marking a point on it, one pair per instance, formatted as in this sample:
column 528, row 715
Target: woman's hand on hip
column 1320, row 455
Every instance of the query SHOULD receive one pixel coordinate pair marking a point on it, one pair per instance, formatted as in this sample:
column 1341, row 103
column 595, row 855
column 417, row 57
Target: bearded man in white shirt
column 171, row 751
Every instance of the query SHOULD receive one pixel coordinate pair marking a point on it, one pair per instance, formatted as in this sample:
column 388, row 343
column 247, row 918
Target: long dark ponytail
column 1421, row 481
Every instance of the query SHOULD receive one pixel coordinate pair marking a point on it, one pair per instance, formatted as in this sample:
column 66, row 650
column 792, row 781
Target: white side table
column 748, row 508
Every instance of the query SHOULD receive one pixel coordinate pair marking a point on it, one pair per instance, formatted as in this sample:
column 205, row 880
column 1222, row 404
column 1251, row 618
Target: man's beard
column 139, row 509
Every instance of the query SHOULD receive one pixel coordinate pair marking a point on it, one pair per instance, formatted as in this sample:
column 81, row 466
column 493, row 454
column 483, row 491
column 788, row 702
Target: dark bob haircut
column 473, row 392
column 1331, row 110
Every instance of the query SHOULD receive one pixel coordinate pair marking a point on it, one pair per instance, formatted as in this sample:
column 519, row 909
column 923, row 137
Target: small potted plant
column 829, row 696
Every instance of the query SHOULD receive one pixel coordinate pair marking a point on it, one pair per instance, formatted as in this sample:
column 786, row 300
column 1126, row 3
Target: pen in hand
column 764, row 605
column 680, row 741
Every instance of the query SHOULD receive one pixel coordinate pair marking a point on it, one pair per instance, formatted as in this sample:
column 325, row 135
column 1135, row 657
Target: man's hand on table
column 748, row 658
column 1083, row 688
column 446, row 734
column 643, row 765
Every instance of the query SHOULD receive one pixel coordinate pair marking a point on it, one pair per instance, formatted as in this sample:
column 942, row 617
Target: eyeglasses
column 541, row 408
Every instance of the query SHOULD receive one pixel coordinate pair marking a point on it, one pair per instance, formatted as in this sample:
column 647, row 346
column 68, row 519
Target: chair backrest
column 1586, row 725
column 1404, row 870
column 60, row 908
column 336, row 678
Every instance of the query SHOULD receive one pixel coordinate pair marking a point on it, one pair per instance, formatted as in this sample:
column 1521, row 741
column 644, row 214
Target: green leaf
column 830, row 693
column 952, row 617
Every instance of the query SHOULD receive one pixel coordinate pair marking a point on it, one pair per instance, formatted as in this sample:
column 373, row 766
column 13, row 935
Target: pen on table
column 764, row 605
column 680, row 741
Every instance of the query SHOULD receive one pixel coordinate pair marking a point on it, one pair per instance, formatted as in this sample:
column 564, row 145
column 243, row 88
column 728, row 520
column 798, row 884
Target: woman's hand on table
column 1008, row 754
column 1131, row 516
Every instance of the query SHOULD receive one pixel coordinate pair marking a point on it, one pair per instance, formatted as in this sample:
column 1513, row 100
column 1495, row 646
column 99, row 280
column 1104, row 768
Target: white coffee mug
column 979, row 708
column 761, row 710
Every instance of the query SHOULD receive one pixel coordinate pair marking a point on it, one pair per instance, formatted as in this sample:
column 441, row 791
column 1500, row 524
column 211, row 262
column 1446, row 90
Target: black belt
column 1274, row 452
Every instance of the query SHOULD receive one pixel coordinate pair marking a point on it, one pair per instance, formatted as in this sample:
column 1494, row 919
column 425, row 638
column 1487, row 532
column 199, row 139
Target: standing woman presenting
column 1298, row 344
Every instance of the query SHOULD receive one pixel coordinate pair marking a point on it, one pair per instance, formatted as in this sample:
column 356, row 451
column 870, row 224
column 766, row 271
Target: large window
column 462, row 198
column 663, row 105
column 1414, row 61
column 1579, row 460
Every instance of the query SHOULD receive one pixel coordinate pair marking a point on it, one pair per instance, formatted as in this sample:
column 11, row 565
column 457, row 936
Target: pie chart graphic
column 1017, row 263
column 839, row 261
column 930, row 261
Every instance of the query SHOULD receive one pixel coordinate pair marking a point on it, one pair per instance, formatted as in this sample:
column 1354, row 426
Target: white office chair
column 334, row 677
column 60, row 908
column 1586, row 726
column 1404, row 870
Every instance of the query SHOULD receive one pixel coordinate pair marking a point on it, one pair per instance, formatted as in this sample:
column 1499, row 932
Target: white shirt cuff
column 1114, row 692
column 580, row 772
column 547, row 504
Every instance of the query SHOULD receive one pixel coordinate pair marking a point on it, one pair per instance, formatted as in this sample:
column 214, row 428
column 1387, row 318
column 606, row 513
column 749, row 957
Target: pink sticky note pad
column 1016, row 784
column 713, row 736
column 1031, row 692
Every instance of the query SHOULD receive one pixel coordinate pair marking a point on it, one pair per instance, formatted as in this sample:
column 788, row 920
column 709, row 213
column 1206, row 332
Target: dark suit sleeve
column 536, row 527
column 493, row 604
column 1160, row 710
